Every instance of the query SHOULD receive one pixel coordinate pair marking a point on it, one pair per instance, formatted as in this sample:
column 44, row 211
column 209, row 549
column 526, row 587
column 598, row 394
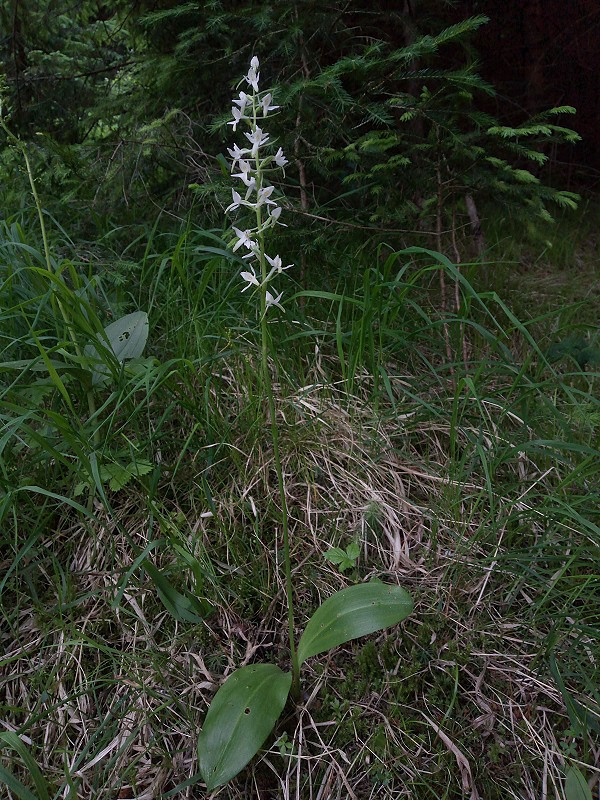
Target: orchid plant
column 246, row 707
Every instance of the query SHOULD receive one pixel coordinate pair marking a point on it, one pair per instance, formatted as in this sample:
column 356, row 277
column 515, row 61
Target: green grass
column 474, row 484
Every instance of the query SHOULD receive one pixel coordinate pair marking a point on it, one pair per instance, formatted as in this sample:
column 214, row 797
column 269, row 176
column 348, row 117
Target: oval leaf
column 576, row 786
column 128, row 335
column 353, row 612
column 241, row 716
column 127, row 338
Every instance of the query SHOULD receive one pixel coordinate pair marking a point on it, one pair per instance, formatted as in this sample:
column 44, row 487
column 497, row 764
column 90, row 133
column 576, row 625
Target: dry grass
column 454, row 703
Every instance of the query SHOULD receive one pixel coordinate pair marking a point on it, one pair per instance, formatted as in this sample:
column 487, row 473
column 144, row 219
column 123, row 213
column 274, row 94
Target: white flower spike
column 251, row 164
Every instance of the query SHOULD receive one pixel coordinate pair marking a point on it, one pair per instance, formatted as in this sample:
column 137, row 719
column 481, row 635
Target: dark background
column 542, row 53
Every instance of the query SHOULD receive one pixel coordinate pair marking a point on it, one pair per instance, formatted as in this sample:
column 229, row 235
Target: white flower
column 266, row 104
column 237, row 116
column 257, row 138
column 251, row 186
column 273, row 301
column 250, row 278
column 243, row 101
column 236, row 154
column 244, row 175
column 275, row 263
column 237, row 202
column 263, row 195
column 243, row 239
column 253, row 74
column 280, row 159
column 273, row 217
column 244, row 166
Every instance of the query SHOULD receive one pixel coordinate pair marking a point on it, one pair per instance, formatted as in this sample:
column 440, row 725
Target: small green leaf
column 353, row 612
column 353, row 551
column 345, row 559
column 336, row 555
column 241, row 716
column 117, row 476
column 184, row 607
column 576, row 786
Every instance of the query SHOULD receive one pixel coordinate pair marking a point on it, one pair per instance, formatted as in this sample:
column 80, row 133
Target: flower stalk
column 252, row 164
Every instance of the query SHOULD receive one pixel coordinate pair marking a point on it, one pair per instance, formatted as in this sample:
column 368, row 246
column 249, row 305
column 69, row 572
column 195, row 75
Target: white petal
column 273, row 301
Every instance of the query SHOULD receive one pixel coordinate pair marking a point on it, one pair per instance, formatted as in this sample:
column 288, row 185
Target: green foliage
column 246, row 707
column 352, row 613
column 345, row 559
column 376, row 124
column 241, row 716
column 576, row 787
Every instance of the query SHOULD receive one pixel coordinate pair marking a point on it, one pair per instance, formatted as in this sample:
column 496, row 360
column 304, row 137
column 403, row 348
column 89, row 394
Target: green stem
column 268, row 387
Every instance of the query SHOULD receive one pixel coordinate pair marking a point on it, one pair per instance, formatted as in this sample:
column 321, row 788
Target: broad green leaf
column 576, row 786
column 126, row 338
column 241, row 716
column 353, row 612
column 128, row 335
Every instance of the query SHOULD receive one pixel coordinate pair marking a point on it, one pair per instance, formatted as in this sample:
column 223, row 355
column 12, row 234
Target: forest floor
column 473, row 483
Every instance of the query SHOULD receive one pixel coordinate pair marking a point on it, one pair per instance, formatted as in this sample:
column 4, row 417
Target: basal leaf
column 576, row 786
column 128, row 335
column 353, row 612
column 126, row 338
column 241, row 716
